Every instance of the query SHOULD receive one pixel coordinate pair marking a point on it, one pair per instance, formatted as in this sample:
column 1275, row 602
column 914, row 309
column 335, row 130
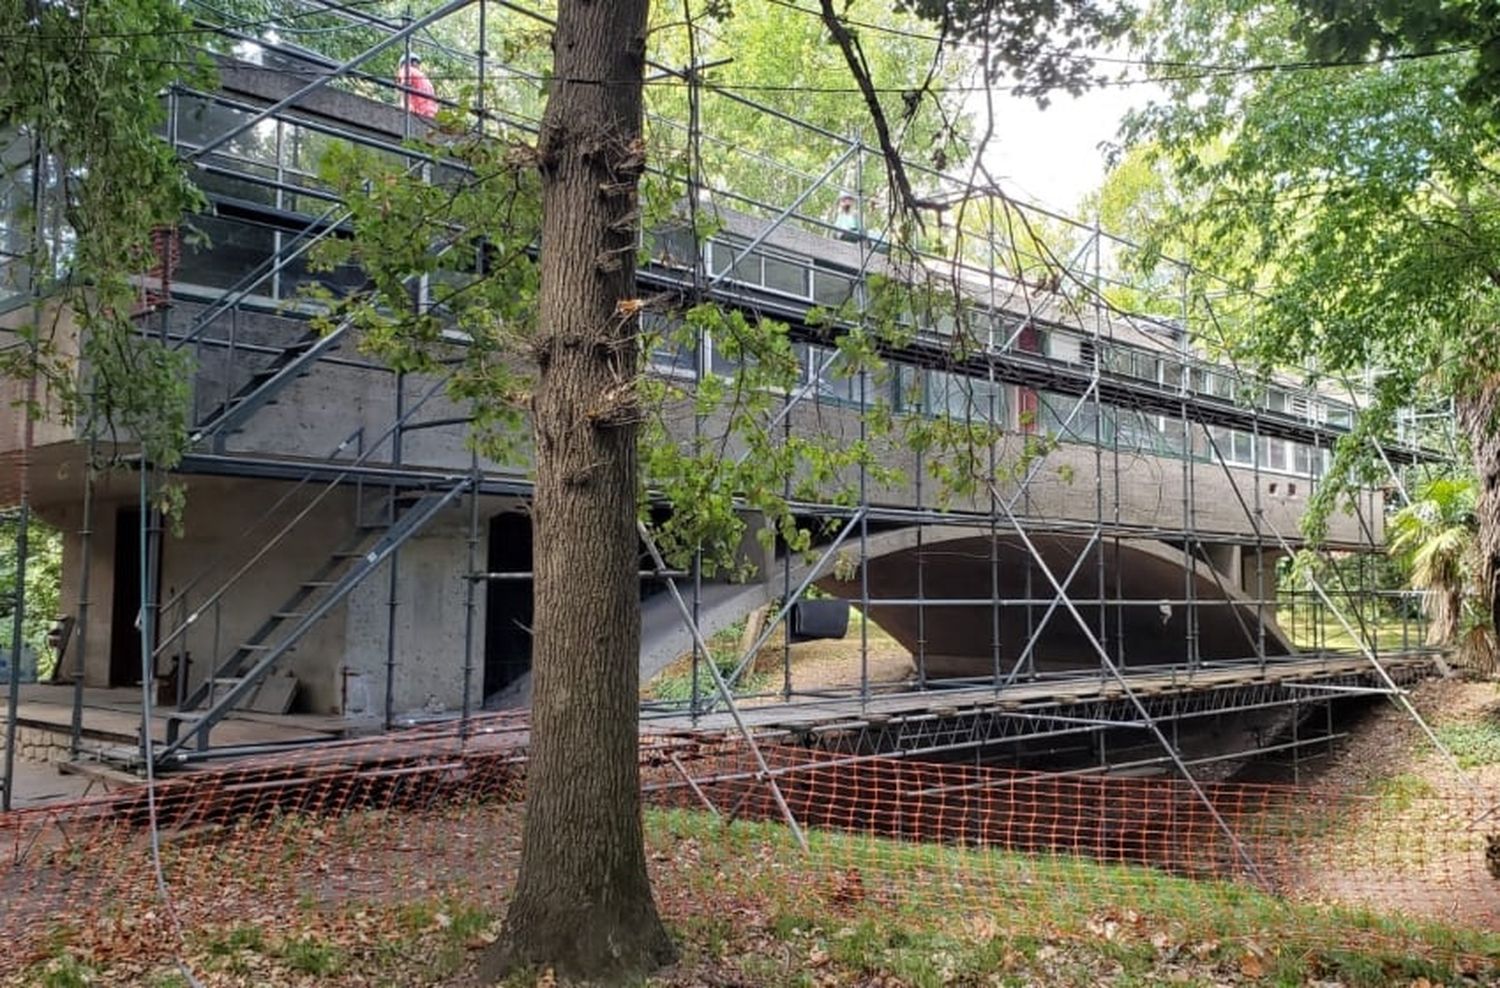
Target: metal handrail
column 956, row 266
column 286, row 529
column 181, row 595
column 273, row 265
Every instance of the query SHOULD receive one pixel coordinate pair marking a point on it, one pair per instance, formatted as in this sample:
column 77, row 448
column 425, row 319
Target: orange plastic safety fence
column 437, row 813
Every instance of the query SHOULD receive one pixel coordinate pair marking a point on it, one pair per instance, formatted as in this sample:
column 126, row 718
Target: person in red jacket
column 417, row 88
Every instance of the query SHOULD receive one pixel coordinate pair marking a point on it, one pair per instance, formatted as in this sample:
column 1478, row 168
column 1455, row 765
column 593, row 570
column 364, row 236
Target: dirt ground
column 1414, row 832
column 824, row 665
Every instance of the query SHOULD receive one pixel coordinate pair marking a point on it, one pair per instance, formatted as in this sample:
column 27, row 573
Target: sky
column 1052, row 156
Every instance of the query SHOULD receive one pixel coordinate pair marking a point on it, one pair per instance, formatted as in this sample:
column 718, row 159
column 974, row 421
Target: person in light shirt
column 417, row 88
column 846, row 219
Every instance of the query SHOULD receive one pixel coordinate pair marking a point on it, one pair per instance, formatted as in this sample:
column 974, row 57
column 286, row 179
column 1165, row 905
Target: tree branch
column 907, row 201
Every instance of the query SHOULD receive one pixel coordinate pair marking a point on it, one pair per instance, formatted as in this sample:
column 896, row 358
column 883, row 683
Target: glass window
column 1061, row 346
column 947, row 395
column 1204, row 443
column 724, row 356
column 232, row 250
column 784, row 275
column 911, row 388
column 343, row 280
column 1139, row 431
column 960, row 396
column 240, row 182
column 831, row 290
column 991, row 402
column 1171, row 441
column 674, row 245
column 201, row 121
column 1053, row 416
column 1243, row 448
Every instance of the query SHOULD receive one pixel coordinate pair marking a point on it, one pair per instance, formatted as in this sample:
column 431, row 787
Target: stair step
column 288, row 615
column 351, row 554
column 319, row 583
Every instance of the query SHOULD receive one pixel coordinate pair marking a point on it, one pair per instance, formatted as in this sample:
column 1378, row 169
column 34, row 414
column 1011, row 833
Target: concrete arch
column 958, row 639
column 956, row 563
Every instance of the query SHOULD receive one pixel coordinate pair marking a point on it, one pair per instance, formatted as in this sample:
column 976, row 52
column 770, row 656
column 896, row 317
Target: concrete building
column 334, row 511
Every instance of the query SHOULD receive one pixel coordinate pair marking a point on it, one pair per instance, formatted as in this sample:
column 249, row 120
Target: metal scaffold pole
column 722, row 688
column 1150, row 722
column 1032, row 327
column 23, row 517
column 471, row 593
column 17, row 639
column 85, row 606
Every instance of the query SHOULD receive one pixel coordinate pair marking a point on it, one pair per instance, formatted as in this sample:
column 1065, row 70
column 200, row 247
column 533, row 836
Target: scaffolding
column 1032, row 349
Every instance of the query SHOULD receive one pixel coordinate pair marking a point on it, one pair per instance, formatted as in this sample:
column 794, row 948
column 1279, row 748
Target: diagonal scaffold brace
column 763, row 770
column 1146, row 718
column 1392, row 688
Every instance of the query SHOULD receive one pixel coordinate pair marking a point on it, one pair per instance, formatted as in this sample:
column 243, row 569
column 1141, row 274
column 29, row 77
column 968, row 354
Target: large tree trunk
column 583, row 903
column 1479, row 417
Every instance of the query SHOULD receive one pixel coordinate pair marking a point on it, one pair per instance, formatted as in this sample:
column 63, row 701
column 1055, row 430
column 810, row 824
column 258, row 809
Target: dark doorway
column 124, row 636
column 507, row 622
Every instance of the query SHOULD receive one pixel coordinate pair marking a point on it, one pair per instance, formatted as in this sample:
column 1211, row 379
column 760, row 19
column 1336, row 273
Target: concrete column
column 1227, row 559
column 760, row 555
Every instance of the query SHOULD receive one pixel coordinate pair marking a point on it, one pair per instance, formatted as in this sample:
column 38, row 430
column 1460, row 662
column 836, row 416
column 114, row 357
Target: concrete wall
column 219, row 510
column 217, row 515
column 1133, row 488
column 57, row 328
column 313, row 414
column 68, row 518
column 430, row 612
column 430, row 620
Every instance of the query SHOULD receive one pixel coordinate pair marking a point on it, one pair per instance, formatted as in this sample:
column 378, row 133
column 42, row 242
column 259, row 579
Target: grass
column 1310, row 627
column 1020, row 899
column 1399, row 793
column 310, row 955
column 64, row 971
column 1474, row 743
column 747, row 906
column 675, row 683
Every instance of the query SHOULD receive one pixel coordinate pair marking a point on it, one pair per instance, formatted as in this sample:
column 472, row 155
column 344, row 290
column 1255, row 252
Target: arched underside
column 1145, row 621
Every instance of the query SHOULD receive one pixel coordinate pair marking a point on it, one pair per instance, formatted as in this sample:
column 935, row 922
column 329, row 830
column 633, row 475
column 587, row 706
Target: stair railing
column 286, row 529
column 199, row 725
column 179, row 598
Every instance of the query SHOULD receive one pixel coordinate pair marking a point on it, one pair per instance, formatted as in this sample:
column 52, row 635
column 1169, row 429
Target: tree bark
column 1479, row 417
column 583, row 903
